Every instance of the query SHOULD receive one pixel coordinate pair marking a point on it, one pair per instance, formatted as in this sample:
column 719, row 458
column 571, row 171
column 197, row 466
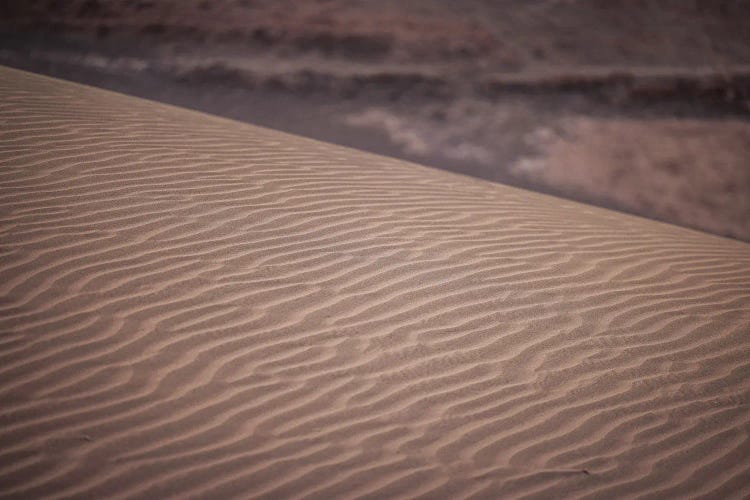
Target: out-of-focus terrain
column 640, row 105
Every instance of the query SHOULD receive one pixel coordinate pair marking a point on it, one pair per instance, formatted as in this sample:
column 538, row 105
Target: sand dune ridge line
column 194, row 306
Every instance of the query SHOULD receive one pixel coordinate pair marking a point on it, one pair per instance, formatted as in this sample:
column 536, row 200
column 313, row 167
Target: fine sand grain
column 197, row 307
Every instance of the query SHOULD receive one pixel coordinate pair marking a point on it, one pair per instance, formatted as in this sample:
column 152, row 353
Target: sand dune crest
column 194, row 306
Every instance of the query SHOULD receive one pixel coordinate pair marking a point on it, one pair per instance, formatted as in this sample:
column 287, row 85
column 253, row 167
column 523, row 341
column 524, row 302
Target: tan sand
column 197, row 307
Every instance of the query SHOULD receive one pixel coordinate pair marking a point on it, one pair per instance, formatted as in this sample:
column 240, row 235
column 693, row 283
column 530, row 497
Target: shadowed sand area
column 197, row 307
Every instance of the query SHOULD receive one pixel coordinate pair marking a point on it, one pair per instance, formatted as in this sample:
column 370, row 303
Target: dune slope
column 196, row 307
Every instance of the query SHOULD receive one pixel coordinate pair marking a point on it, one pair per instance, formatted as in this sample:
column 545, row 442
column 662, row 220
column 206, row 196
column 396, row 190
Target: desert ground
column 197, row 307
column 639, row 105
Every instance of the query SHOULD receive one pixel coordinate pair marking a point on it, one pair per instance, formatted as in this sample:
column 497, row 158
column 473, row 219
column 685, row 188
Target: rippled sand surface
column 192, row 306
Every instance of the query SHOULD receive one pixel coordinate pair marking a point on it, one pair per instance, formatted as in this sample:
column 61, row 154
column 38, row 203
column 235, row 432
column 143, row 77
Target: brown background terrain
column 637, row 105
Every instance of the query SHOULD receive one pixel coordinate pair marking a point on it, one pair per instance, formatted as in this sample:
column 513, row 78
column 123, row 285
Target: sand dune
column 197, row 307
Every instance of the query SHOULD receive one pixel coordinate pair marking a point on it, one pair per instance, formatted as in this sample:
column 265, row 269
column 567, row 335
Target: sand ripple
column 196, row 307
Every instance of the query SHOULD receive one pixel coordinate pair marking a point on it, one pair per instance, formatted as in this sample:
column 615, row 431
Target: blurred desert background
column 640, row 105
